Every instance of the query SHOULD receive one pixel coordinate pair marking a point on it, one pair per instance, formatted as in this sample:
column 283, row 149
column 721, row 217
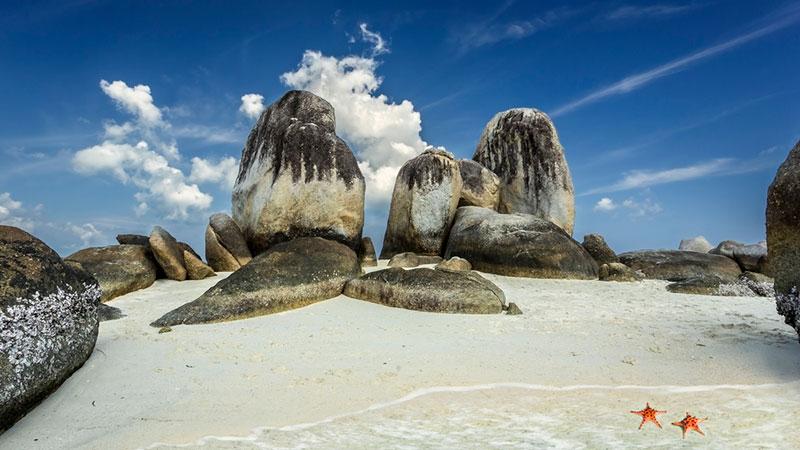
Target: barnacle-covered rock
column 48, row 321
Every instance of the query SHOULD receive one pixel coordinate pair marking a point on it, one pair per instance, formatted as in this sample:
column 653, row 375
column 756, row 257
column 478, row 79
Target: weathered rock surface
column 751, row 257
column 424, row 201
column 480, row 186
column 48, row 322
column 696, row 244
column 409, row 259
column 168, row 254
column 726, row 248
column 196, row 269
column 521, row 147
column 517, row 245
column 513, row 310
column 188, row 248
column 454, row 263
column 287, row 276
column 297, row 178
column 107, row 312
column 427, row 289
column 700, row 285
column 783, row 236
column 677, row 265
column 618, row 272
column 762, row 285
column 133, row 239
column 596, row 245
column 119, row 269
column 226, row 248
column 368, row 257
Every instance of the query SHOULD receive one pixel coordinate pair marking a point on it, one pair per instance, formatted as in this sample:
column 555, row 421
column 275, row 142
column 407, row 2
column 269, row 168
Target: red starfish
column 690, row 422
column 648, row 415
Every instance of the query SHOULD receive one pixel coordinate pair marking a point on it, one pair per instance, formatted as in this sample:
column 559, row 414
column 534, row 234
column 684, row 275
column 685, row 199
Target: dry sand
column 345, row 373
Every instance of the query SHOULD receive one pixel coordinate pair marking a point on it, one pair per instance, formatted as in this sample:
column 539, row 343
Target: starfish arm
column 641, row 424
column 699, row 431
column 660, row 412
column 657, row 423
column 636, row 412
column 702, row 420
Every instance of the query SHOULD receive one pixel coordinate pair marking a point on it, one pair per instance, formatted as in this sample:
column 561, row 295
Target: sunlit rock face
column 424, row 202
column 783, row 236
column 297, row 178
column 521, row 147
column 48, row 321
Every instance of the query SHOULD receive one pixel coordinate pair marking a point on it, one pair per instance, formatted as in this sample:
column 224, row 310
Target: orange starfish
column 690, row 422
column 648, row 415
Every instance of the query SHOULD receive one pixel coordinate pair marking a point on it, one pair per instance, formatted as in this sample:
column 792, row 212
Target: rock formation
column 521, row 146
column 726, row 248
column 615, row 271
column 783, row 236
column 297, row 178
column 480, row 186
column 196, row 269
column 368, row 258
column 287, row 276
column 226, row 248
column 427, row 289
column 520, row 245
column 409, row 259
column 696, row 244
column 424, row 201
column 133, row 239
column 119, row 269
column 455, row 263
column 48, row 322
column 677, row 265
column 168, row 253
column 597, row 247
column 752, row 257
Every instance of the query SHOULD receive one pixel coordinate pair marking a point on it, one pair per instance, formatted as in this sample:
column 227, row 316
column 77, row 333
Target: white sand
column 581, row 356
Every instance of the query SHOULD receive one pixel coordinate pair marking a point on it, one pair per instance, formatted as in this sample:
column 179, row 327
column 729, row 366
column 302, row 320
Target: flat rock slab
column 520, row 245
column 677, row 265
column 119, row 269
column 287, row 276
column 433, row 290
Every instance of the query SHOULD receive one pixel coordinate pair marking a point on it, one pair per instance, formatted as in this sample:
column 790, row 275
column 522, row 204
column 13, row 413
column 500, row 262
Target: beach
column 349, row 373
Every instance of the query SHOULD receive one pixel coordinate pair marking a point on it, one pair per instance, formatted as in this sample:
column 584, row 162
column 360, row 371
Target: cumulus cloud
column 13, row 214
column 383, row 134
column 87, row 233
column 605, row 204
column 252, row 105
column 379, row 45
column 223, row 171
column 137, row 100
column 140, row 152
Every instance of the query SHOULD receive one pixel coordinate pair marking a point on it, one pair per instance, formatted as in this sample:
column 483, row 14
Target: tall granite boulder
column 424, row 201
column 521, row 146
column 119, row 269
column 433, row 290
column 48, row 322
column 287, row 276
column 783, row 236
column 480, row 186
column 226, row 248
column 677, row 265
column 168, row 253
column 696, row 244
column 752, row 257
column 596, row 245
column 521, row 245
column 297, row 178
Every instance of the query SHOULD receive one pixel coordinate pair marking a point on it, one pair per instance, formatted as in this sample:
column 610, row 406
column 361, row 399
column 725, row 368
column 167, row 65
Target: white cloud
column 632, row 12
column 147, row 170
column 636, row 81
column 87, row 233
column 605, row 204
column 12, row 213
column 383, row 135
column 252, row 105
column 223, row 172
column 379, row 45
column 644, row 178
column 643, row 208
column 491, row 30
column 137, row 100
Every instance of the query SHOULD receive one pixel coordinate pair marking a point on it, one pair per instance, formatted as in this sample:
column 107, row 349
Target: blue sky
column 117, row 116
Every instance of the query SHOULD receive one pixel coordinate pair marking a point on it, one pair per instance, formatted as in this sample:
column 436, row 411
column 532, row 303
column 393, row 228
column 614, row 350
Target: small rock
column 454, row 263
column 409, row 259
column 164, row 330
column 618, row 272
column 513, row 309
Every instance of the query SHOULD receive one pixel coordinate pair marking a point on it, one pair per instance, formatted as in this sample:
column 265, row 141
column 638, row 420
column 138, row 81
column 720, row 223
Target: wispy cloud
column 637, row 179
column 634, row 12
column 379, row 45
column 786, row 18
column 492, row 30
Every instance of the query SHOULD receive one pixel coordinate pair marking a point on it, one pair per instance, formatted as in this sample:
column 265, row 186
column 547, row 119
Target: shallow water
column 511, row 416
